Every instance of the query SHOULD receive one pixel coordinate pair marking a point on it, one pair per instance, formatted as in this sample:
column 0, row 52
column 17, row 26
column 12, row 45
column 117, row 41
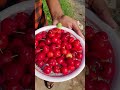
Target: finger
column 80, row 25
column 78, row 31
column 55, row 22
column 101, row 9
column 69, row 27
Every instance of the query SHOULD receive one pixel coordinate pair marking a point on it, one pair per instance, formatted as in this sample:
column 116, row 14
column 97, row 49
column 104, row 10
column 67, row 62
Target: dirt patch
column 79, row 10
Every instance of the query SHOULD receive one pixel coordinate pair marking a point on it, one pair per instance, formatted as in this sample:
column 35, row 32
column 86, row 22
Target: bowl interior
column 59, row 77
column 98, row 24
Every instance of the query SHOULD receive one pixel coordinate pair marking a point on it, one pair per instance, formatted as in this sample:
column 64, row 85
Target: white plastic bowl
column 98, row 24
column 41, row 75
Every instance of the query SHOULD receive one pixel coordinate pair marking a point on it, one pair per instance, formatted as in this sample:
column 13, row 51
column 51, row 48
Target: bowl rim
column 14, row 9
column 71, row 75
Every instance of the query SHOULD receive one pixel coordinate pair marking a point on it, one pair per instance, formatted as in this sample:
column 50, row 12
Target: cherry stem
column 20, row 32
column 59, row 25
column 14, row 56
column 1, row 51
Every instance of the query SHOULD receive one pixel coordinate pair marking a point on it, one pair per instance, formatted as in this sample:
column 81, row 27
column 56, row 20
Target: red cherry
column 57, row 35
column 3, row 40
column 17, row 43
column 31, row 68
column 71, row 67
column 108, row 71
column 79, row 55
column 52, row 62
column 38, row 37
column 46, row 60
column 79, row 48
column 68, row 46
column 56, row 30
column 64, row 70
column 89, row 32
column 47, row 69
column 30, row 36
column 70, row 61
column 13, row 85
column 63, row 45
column 26, row 55
column 40, row 63
column 54, row 40
column 53, row 47
column 41, row 44
column 36, row 43
column 101, row 85
column 51, row 35
column 73, row 53
column 26, row 80
column 44, row 34
column 64, row 38
column 59, row 41
column 40, row 56
column 2, row 79
column 77, row 63
column 64, row 64
column 13, row 72
column 22, row 20
column 67, row 34
column 37, row 50
column 71, row 40
column 48, row 41
column 60, row 60
column 102, row 35
column 64, row 51
column 8, row 26
column 56, row 69
column 50, row 54
column 62, row 31
column 57, row 53
column 46, row 49
column 6, row 57
column 90, row 85
column 76, row 43
column 98, row 45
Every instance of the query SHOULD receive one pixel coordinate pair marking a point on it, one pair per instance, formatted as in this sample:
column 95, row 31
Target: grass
column 66, row 7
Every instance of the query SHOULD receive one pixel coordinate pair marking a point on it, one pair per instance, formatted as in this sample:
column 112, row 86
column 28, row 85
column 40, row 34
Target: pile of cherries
column 17, row 52
column 100, row 64
column 57, row 52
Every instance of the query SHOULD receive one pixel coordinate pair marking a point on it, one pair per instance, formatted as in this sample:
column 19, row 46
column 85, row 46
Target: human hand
column 69, row 23
column 101, row 9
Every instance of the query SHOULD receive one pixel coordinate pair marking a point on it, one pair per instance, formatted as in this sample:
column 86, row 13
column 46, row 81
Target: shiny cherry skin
column 60, row 60
column 3, row 40
column 46, row 49
column 77, row 63
column 57, row 53
column 64, row 70
column 50, row 54
column 56, row 69
column 8, row 26
column 47, row 69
